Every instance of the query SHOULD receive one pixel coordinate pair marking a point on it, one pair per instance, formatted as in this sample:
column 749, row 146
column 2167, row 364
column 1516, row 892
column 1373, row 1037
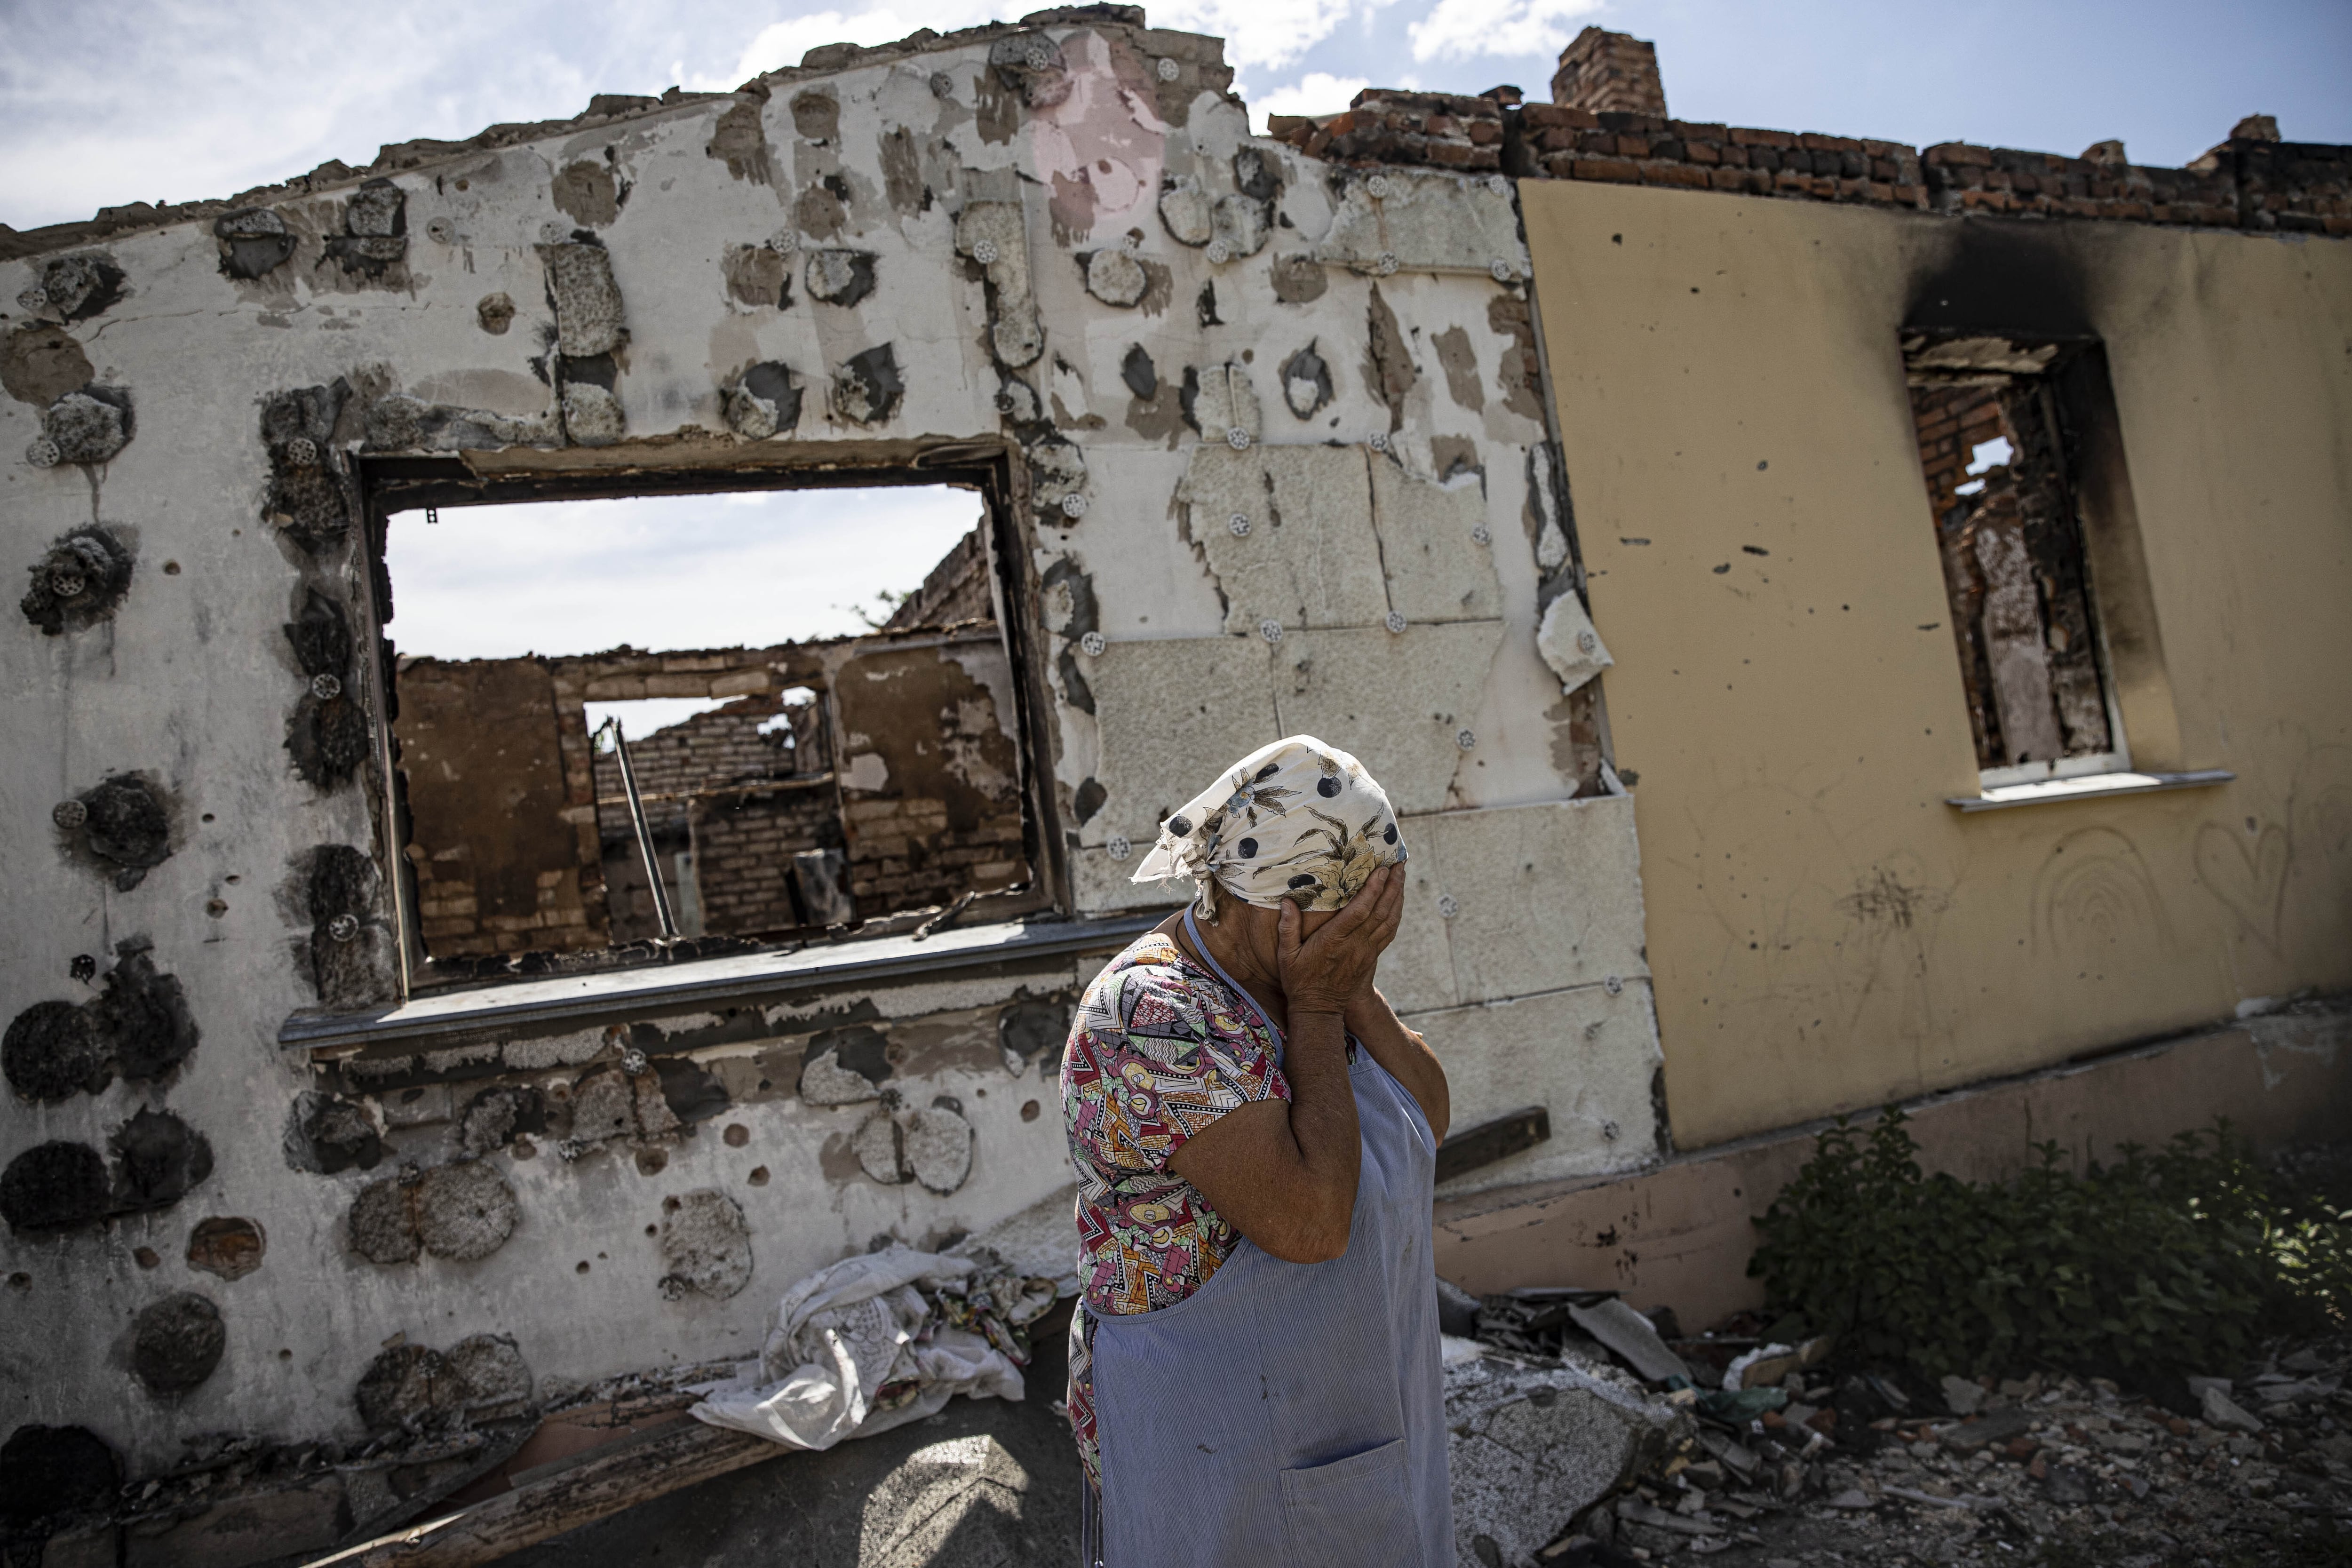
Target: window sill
column 2086, row 786
column 584, row 1000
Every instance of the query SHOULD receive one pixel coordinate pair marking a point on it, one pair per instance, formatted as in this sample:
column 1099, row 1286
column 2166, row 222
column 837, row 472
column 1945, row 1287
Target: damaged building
column 1841, row 624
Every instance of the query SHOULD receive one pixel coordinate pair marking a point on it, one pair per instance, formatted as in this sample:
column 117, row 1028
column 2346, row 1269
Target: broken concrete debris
column 1879, row 1467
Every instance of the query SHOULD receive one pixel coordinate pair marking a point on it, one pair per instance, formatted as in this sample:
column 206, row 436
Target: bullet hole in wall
column 587, row 190
column 158, row 1159
column 52, row 1051
column 78, row 580
column 176, row 1342
column 327, row 734
column 306, row 497
column 376, row 230
column 759, row 1176
column 88, row 426
column 328, row 1134
column 705, row 1246
column 229, row 1247
column 61, row 1186
column 416, row 1388
column 1030, row 1028
column 860, row 1048
column 49, row 1473
column 123, row 823
column 496, row 1117
column 74, row 288
column 867, row 389
column 840, row 277
column 349, row 948
column 142, row 1015
column 463, row 1212
column 253, row 243
column 737, row 1135
column 766, row 402
column 41, row 362
column 139, row 1026
column 1306, row 383
column 54, row 1186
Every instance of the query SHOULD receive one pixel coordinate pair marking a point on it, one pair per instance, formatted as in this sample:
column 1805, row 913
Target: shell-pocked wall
column 1277, row 456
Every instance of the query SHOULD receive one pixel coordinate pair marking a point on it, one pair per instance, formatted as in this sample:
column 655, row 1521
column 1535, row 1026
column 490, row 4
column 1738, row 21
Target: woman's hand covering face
column 1326, row 971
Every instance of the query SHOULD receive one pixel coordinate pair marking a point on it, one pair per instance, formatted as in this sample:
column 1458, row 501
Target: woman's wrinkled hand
column 1326, row 971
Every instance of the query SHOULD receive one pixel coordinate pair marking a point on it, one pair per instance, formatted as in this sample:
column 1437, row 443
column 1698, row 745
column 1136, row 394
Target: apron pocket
column 1352, row 1512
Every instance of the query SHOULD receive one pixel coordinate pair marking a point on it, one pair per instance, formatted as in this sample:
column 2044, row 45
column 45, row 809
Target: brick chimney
column 1603, row 72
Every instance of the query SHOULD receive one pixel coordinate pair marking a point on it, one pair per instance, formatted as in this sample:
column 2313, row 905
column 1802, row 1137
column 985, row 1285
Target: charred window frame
column 391, row 485
column 2051, row 616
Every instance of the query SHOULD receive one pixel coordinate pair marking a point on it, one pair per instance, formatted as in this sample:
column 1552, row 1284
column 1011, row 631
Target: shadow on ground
column 983, row 1484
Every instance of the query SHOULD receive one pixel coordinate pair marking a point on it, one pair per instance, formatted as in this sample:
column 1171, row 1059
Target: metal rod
column 645, row 834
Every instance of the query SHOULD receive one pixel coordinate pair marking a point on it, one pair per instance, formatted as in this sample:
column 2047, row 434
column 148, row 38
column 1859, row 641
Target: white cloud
column 661, row 571
column 1463, row 29
column 1317, row 92
column 1269, row 32
column 781, row 44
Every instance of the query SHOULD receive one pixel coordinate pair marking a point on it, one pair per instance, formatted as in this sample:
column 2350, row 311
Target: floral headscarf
column 1297, row 820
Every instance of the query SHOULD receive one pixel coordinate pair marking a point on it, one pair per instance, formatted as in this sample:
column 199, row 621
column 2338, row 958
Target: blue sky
column 107, row 102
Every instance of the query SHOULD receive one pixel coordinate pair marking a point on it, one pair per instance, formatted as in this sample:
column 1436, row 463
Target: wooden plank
column 1491, row 1141
column 601, row 1483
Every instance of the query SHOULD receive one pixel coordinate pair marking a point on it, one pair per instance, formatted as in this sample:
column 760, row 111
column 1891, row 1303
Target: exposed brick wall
column 706, row 752
column 955, row 591
column 700, row 782
column 904, row 856
column 1570, row 144
column 1953, row 422
column 743, row 849
column 1384, row 125
column 1607, row 121
column 1963, row 178
column 2302, row 186
column 1605, row 71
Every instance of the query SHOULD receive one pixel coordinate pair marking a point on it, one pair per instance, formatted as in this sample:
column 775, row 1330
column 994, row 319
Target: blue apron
column 1290, row 1413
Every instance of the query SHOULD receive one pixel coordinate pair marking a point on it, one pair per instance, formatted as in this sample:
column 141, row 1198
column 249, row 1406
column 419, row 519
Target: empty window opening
column 2002, row 483
column 809, row 691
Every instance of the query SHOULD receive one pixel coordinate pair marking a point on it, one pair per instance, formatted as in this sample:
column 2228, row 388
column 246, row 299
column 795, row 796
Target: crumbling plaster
column 499, row 302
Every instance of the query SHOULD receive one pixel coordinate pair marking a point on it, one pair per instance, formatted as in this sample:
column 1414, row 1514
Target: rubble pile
column 1795, row 1457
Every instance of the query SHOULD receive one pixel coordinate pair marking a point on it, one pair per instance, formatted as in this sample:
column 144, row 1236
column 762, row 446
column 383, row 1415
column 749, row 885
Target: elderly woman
column 1253, row 1366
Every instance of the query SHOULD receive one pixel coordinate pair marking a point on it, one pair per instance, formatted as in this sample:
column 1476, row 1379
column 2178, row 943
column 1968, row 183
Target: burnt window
column 2001, row 425
column 637, row 728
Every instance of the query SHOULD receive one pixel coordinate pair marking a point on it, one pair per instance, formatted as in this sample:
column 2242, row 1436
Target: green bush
column 2176, row 1260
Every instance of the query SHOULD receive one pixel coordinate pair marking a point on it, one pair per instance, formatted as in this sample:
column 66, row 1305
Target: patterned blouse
column 1160, row 1049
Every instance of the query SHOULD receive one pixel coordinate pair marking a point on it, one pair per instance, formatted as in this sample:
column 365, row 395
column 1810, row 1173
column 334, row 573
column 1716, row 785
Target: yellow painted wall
column 1825, row 933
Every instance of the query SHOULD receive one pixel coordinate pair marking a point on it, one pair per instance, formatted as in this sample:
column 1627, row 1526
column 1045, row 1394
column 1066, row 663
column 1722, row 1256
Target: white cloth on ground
column 844, row 1333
